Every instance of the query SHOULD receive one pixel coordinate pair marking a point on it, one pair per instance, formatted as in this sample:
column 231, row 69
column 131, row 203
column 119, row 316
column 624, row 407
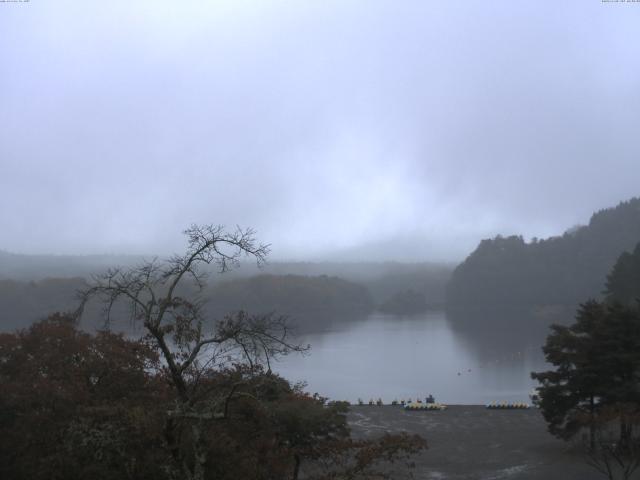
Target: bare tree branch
column 191, row 344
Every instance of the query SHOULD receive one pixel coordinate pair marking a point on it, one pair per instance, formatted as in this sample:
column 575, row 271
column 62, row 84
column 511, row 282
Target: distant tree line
column 309, row 301
column 312, row 301
column 382, row 279
column 24, row 302
column 305, row 299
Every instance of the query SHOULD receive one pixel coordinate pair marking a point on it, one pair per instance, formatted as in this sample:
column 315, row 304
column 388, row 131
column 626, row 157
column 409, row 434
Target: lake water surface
column 391, row 357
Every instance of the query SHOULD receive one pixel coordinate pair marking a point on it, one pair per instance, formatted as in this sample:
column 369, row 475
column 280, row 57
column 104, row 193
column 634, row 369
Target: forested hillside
column 310, row 301
column 306, row 299
column 384, row 280
column 565, row 270
column 34, row 286
column 26, row 302
column 623, row 283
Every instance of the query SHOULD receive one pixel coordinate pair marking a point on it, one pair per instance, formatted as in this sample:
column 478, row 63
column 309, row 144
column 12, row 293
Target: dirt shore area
column 472, row 442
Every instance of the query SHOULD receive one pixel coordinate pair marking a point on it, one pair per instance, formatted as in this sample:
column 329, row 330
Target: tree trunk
column 625, row 434
column 296, row 468
column 592, row 425
column 172, row 443
column 199, row 453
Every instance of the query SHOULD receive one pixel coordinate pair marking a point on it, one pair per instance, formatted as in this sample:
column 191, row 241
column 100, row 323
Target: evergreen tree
column 623, row 283
column 597, row 362
column 569, row 393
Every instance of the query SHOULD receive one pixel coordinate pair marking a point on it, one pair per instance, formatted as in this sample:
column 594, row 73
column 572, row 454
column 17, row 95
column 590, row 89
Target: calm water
column 407, row 357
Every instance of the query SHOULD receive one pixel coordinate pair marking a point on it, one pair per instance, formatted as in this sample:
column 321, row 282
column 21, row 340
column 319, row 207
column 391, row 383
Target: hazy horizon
column 396, row 250
column 341, row 130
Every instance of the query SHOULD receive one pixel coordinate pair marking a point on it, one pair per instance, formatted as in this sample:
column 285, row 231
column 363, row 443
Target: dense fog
column 338, row 130
column 313, row 239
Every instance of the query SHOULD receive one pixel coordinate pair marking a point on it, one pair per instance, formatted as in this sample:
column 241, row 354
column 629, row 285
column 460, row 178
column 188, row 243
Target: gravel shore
column 471, row 442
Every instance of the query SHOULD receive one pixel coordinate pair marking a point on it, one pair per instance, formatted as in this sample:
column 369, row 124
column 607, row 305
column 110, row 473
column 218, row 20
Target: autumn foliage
column 76, row 405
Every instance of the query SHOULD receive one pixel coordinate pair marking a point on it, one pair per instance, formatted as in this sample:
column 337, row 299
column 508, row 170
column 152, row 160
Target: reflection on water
column 407, row 357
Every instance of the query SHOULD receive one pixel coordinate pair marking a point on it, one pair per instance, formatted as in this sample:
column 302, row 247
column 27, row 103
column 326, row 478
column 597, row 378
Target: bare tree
column 191, row 346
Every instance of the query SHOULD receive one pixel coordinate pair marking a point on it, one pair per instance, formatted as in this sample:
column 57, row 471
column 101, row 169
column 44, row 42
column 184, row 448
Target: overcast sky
column 331, row 127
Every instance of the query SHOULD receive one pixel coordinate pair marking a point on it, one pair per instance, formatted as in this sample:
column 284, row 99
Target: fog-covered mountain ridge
column 561, row 270
column 35, row 267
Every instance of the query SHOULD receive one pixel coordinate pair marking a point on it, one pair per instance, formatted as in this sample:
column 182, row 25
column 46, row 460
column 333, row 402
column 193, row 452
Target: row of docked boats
column 508, row 405
column 425, row 406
